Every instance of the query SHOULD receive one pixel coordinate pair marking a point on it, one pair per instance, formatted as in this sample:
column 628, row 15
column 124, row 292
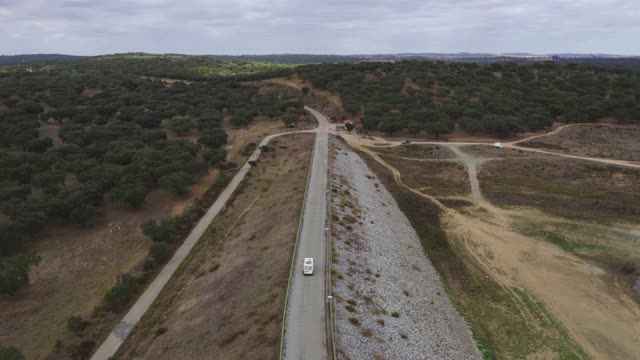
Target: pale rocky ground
column 380, row 267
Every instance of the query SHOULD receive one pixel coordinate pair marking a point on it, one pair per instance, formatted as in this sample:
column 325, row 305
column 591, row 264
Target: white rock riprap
column 390, row 303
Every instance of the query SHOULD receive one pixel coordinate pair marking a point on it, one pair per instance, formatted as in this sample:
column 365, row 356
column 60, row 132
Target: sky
column 93, row 27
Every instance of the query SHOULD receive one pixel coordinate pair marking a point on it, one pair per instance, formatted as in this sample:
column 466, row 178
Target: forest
column 73, row 134
column 500, row 99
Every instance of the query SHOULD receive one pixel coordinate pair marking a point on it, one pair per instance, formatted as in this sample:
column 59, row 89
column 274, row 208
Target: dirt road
column 305, row 320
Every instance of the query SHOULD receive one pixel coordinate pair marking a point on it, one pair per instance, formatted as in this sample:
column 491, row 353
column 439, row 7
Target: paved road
column 122, row 330
column 305, row 331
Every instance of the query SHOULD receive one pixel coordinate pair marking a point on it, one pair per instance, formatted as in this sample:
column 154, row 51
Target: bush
column 10, row 353
column 76, row 324
column 121, row 294
column 14, row 271
column 215, row 156
column 177, row 182
column 159, row 254
column 181, row 126
column 249, row 148
column 160, row 231
column 395, row 314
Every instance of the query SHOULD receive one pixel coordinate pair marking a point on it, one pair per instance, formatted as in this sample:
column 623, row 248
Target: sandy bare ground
column 598, row 312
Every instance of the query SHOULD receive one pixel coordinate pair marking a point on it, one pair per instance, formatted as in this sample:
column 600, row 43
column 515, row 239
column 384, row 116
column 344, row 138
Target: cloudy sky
column 90, row 27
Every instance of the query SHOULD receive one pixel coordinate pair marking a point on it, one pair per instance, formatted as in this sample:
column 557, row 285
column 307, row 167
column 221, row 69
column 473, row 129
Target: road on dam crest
column 305, row 328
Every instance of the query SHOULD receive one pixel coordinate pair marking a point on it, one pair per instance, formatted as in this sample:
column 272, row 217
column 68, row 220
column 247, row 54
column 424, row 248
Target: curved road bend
column 305, row 331
column 122, row 330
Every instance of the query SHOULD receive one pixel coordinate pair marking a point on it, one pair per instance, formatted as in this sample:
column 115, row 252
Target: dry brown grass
column 436, row 178
column 564, row 187
column 601, row 140
column 416, row 151
column 486, row 151
column 235, row 310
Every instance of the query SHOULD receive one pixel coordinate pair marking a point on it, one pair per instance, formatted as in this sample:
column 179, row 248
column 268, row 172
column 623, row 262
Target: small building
column 498, row 145
column 339, row 127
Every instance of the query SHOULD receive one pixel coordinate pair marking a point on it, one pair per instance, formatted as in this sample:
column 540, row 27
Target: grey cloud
column 305, row 26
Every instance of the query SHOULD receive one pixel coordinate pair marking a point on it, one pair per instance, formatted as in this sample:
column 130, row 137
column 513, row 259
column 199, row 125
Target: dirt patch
column 324, row 101
column 91, row 92
column 227, row 298
column 51, row 130
column 436, row 178
column 416, row 151
column 566, row 187
column 592, row 140
column 409, row 84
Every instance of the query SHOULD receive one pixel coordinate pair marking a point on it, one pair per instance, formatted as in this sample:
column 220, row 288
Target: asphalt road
column 122, row 330
column 305, row 331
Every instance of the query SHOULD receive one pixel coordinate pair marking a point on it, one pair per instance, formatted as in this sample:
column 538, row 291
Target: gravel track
column 380, row 267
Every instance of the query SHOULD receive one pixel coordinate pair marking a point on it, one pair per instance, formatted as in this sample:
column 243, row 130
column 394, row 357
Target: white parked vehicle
column 307, row 268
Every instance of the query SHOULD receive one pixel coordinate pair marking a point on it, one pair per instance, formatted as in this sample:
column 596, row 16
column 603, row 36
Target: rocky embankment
column 390, row 302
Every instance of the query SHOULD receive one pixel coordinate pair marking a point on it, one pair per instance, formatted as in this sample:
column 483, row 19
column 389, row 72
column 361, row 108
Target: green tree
column 437, row 128
column 32, row 107
column 130, row 193
column 177, row 182
column 160, row 231
column 181, row 126
column 121, row 293
column 213, row 138
column 14, row 271
column 76, row 324
column 215, row 156
column 290, row 120
column 349, row 126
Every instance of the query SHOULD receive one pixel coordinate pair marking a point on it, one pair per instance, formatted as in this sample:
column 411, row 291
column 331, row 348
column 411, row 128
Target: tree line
column 109, row 139
column 501, row 99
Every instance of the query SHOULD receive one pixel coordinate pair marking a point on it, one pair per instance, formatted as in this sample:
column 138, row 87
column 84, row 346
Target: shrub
column 395, row 314
column 159, row 231
column 350, row 308
column 10, row 353
column 249, row 148
column 120, row 294
column 14, row 271
column 76, row 324
column 354, row 320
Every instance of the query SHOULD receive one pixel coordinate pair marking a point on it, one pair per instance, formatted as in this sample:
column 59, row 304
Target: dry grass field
column 593, row 140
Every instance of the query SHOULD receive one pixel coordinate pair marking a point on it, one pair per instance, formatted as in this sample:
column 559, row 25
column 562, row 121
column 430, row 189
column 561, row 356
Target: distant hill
column 607, row 61
column 36, row 58
column 291, row 58
column 629, row 63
